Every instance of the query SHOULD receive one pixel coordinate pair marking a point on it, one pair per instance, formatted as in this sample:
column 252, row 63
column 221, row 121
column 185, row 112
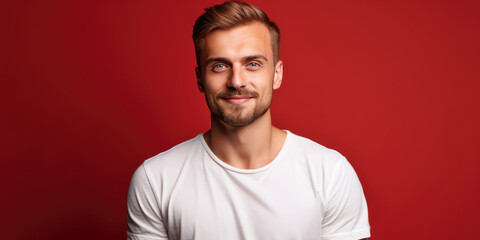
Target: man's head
column 238, row 66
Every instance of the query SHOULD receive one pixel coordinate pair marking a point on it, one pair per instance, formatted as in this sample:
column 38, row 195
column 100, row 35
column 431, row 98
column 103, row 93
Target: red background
column 90, row 89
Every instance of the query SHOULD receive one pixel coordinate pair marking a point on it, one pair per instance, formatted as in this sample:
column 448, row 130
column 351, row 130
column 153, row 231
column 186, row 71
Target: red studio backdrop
column 90, row 89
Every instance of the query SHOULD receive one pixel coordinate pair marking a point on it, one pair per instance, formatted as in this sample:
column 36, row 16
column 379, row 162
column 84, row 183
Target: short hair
column 231, row 14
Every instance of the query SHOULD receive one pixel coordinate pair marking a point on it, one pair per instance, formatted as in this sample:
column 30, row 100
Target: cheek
column 213, row 84
column 262, row 81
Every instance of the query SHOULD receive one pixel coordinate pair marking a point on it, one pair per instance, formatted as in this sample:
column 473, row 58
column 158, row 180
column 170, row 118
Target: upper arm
column 143, row 209
column 346, row 213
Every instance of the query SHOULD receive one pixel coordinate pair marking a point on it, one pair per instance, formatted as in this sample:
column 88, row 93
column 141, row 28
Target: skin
column 237, row 74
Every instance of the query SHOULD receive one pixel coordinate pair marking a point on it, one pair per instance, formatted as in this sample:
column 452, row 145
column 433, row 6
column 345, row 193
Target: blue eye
column 219, row 67
column 253, row 65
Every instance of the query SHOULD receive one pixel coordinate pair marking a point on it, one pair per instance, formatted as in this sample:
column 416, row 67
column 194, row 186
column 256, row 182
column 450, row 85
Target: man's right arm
column 143, row 209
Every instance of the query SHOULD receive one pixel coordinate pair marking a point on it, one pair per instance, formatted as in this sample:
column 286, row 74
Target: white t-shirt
column 307, row 192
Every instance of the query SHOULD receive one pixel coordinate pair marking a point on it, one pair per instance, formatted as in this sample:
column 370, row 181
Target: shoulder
column 319, row 161
column 176, row 154
column 173, row 159
column 313, row 151
column 159, row 173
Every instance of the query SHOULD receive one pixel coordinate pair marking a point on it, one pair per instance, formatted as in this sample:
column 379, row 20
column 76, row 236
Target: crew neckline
column 240, row 170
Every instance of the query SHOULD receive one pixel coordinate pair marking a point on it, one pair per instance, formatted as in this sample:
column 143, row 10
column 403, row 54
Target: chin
column 236, row 120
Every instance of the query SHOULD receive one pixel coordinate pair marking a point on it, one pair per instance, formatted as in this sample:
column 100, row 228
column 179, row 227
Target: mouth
column 237, row 99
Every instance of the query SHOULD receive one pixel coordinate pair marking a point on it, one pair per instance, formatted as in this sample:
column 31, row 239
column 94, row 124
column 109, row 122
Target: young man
column 244, row 178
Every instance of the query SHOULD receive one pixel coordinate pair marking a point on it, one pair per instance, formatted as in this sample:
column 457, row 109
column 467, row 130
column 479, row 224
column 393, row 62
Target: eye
column 253, row 65
column 219, row 67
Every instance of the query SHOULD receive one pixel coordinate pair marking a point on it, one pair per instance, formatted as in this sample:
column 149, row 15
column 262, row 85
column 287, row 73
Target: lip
column 237, row 99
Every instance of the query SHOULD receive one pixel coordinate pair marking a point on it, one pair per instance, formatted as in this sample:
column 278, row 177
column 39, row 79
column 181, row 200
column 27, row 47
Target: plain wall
column 90, row 89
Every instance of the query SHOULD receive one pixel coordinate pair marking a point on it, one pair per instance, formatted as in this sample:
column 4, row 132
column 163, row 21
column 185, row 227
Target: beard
column 239, row 115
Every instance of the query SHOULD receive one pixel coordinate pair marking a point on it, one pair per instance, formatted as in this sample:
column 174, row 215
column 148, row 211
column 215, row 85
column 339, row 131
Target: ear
column 199, row 80
column 278, row 75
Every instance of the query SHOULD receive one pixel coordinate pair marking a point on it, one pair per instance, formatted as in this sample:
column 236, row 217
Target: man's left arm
column 346, row 212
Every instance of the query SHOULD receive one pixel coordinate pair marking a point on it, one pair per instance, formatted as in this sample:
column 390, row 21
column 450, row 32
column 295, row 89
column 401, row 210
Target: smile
column 237, row 99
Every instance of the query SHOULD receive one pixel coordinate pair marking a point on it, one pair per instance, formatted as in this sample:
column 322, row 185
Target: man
column 244, row 178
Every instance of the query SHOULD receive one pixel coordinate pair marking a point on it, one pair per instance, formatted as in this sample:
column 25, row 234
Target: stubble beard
column 239, row 115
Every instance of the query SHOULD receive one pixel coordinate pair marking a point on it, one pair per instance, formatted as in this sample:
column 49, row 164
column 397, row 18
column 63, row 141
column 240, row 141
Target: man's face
column 237, row 73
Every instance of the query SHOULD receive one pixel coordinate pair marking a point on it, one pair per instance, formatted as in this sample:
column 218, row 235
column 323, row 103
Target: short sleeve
column 346, row 213
column 143, row 209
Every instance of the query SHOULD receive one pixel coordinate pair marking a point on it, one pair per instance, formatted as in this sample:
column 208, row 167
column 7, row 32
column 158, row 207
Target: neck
column 249, row 147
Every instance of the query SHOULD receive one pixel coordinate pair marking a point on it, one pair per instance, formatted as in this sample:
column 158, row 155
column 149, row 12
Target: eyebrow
column 216, row 60
column 244, row 59
column 254, row 57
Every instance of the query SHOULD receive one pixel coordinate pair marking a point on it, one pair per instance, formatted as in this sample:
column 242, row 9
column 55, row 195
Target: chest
column 213, row 203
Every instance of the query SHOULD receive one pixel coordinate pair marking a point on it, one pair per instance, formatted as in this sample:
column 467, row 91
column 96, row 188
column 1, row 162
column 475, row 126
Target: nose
column 236, row 79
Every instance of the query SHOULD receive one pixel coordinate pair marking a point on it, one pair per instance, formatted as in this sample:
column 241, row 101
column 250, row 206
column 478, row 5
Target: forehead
column 244, row 40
